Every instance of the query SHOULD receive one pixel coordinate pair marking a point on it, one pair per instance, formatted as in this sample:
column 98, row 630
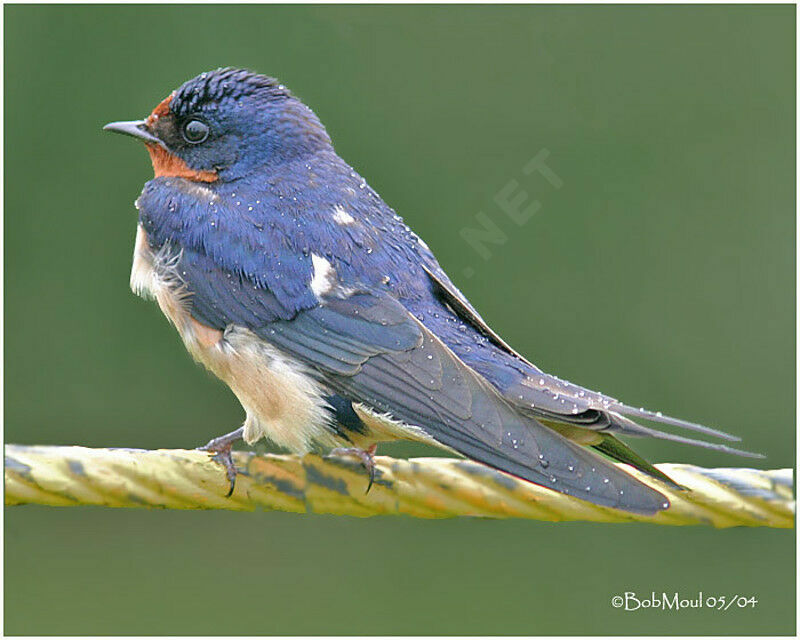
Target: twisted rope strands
column 420, row 487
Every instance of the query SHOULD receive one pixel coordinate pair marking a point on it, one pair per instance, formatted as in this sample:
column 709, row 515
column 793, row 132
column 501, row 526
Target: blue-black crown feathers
column 225, row 83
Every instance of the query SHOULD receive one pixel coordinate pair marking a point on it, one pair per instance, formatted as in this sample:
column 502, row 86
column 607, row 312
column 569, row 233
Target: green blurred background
column 662, row 273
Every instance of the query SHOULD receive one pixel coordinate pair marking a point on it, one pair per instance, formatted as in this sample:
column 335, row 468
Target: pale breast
column 282, row 402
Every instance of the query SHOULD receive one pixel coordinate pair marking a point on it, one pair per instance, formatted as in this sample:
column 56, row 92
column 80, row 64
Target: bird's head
column 224, row 125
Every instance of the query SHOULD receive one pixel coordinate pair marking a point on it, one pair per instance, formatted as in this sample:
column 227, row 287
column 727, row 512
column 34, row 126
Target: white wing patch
column 324, row 275
column 340, row 216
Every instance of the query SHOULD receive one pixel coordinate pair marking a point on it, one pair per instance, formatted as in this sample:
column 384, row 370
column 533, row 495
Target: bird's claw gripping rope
column 366, row 456
column 221, row 448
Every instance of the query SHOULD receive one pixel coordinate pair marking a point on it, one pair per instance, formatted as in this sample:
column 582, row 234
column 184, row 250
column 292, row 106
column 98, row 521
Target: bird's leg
column 366, row 456
column 221, row 448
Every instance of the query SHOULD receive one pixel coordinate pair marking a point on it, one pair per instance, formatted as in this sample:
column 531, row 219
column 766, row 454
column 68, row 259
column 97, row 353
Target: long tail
column 625, row 426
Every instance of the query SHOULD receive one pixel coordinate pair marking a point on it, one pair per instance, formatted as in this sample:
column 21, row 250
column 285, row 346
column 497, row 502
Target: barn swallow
column 332, row 322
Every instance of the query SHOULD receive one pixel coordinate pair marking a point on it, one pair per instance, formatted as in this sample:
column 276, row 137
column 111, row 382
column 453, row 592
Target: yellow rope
column 420, row 487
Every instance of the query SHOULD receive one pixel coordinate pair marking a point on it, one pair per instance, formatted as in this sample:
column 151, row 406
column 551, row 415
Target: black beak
column 135, row 128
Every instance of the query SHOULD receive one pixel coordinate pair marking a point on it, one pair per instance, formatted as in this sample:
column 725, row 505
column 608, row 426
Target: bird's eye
column 195, row 131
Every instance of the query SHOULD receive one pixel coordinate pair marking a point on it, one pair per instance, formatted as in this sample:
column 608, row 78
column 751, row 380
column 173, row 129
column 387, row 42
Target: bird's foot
column 221, row 448
column 366, row 456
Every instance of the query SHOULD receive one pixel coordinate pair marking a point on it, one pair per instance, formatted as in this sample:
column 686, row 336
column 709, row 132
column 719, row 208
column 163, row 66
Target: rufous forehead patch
column 161, row 110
